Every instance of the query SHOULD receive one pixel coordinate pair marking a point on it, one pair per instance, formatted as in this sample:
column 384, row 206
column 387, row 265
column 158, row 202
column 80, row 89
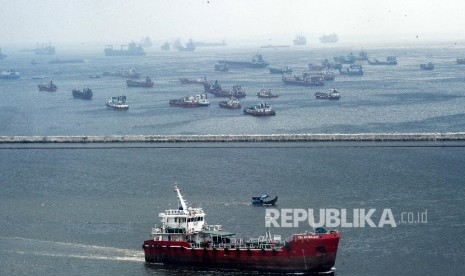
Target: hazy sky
column 30, row 21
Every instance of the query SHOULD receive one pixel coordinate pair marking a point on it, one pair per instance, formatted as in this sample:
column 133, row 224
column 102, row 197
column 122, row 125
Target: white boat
column 266, row 93
column 199, row 100
column 118, row 103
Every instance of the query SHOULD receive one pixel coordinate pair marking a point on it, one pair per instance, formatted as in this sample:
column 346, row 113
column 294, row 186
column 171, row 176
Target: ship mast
column 268, row 225
column 181, row 199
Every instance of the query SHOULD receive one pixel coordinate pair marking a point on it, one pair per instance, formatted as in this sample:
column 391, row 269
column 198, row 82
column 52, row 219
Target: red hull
column 304, row 253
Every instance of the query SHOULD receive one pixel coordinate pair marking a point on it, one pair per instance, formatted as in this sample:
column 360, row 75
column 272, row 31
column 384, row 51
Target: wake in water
column 25, row 246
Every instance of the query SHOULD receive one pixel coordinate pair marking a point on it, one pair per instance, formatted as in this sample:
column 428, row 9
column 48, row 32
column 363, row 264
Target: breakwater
column 456, row 136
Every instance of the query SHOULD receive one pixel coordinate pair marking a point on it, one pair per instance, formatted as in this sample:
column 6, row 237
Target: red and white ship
column 184, row 238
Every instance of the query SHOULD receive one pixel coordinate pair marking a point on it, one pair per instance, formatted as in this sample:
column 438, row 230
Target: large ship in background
column 210, row 44
column 300, row 40
column 184, row 238
column 145, row 42
column 256, row 62
column 132, row 49
column 44, row 49
column 331, row 38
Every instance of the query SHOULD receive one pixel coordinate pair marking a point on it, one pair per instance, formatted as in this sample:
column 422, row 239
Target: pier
column 455, row 136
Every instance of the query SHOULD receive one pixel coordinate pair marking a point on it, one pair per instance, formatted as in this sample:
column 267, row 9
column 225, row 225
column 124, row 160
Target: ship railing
column 172, row 212
column 156, row 230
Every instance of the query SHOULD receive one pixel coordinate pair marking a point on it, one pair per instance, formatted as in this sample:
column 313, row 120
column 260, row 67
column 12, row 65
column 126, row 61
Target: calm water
column 86, row 209
column 398, row 98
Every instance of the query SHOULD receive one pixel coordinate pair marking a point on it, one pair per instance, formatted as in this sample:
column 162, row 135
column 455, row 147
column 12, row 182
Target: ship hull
column 299, row 256
column 245, row 64
column 291, row 81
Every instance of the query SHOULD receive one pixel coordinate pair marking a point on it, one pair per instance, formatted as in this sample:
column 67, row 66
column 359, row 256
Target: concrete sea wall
column 456, row 136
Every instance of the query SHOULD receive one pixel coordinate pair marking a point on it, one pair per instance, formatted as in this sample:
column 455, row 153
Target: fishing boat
column 262, row 109
column 349, row 59
column 256, row 62
column 353, row 70
column 222, row 67
column 328, row 75
column 264, row 199
column 362, row 56
column 233, row 103
column 147, row 82
column 199, row 100
column 200, row 80
column 185, row 239
column 266, row 94
column 9, row 74
column 49, row 87
column 215, row 88
column 85, row 94
column 280, row 70
column 427, row 66
column 132, row 73
column 117, row 103
column 390, row 60
column 332, row 94
column 305, row 80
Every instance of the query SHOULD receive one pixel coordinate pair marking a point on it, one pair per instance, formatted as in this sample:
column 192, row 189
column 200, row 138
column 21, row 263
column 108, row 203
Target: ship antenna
column 181, row 199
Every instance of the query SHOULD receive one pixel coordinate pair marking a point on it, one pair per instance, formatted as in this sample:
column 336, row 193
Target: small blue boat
column 263, row 200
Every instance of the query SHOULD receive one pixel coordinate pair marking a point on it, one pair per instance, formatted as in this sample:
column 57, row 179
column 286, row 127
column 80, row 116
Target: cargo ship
column 300, row 40
column 256, row 62
column 332, row 38
column 85, row 94
column 44, row 49
column 147, row 82
column 305, row 80
column 185, row 239
column 132, row 49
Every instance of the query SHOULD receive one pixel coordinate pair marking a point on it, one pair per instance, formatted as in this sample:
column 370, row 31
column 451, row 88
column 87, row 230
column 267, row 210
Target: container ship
column 184, row 238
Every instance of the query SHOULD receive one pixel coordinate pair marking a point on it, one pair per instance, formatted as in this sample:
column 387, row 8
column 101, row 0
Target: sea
column 85, row 209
